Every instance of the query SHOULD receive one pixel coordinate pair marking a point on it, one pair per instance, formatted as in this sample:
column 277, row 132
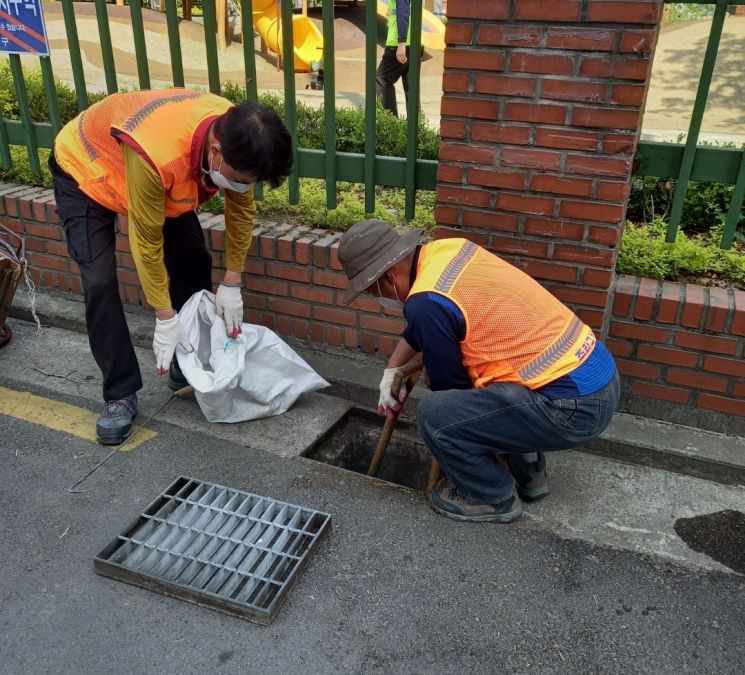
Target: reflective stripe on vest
column 516, row 331
column 160, row 123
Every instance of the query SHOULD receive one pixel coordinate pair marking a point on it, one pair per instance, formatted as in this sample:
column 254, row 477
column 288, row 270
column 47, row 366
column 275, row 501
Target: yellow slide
column 307, row 39
column 433, row 30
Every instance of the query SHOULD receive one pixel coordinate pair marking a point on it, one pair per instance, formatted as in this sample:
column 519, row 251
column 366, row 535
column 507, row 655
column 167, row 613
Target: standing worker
column 394, row 64
column 155, row 156
column 513, row 371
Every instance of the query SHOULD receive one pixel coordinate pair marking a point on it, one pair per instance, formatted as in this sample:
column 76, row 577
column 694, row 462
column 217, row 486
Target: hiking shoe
column 176, row 379
column 115, row 423
column 531, row 477
column 448, row 502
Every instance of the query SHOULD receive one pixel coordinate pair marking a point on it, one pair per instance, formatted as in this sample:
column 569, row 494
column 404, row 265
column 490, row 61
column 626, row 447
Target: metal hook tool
column 181, row 393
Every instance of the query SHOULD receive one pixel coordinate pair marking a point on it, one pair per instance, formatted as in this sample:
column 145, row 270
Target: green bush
column 643, row 252
column 66, row 98
column 390, row 132
column 705, row 204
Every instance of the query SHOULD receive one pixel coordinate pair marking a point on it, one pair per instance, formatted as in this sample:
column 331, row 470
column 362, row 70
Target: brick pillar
column 541, row 115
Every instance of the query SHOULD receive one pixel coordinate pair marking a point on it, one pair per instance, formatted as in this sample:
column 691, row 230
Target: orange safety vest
column 160, row 125
column 516, row 331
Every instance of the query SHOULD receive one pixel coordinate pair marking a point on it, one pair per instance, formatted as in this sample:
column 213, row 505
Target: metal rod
column 412, row 112
column 288, row 68
column 107, row 53
column 735, row 208
column 181, row 393
column 138, row 32
column 174, row 43
column 249, row 57
column 329, row 102
column 45, row 63
column 210, row 43
column 5, row 157
column 25, row 110
column 371, row 26
column 699, row 106
column 73, row 45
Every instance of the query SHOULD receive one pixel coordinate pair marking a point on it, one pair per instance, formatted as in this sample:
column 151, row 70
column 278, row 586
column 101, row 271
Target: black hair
column 254, row 139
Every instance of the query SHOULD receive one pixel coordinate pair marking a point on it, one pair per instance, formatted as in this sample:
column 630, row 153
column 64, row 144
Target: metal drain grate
column 219, row 547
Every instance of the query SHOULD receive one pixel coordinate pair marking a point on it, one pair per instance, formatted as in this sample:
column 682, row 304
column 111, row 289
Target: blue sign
column 22, row 29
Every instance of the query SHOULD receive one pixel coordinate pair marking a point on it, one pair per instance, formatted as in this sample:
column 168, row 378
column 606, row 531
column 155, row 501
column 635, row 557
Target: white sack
column 255, row 375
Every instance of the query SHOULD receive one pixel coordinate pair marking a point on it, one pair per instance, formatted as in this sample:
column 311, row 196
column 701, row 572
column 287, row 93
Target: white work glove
column 168, row 335
column 387, row 403
column 229, row 303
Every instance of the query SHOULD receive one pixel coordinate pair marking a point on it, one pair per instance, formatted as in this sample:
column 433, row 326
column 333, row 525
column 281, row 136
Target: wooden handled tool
column 411, row 371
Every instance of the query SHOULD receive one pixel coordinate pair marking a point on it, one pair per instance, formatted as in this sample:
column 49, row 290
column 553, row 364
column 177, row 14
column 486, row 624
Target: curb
column 354, row 377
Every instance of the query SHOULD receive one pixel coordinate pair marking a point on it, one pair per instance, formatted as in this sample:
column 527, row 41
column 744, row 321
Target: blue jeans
column 467, row 429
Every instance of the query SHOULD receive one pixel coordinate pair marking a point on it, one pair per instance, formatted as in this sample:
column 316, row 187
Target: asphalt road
column 394, row 589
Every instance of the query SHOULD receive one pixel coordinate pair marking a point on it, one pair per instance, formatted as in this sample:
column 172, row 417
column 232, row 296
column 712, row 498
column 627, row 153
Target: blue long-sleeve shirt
column 403, row 10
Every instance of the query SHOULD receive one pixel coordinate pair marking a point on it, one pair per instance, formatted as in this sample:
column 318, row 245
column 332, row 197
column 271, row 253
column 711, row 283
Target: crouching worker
column 513, row 372
column 155, row 156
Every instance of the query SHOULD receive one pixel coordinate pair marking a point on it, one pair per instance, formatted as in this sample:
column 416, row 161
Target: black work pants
column 90, row 230
column 388, row 73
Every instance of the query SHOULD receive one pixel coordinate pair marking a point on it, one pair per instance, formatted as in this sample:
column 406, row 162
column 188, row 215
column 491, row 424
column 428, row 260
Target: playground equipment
column 433, row 30
column 307, row 39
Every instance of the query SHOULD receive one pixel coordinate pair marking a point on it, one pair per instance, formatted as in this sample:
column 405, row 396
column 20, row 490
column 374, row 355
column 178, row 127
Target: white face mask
column 389, row 303
column 221, row 182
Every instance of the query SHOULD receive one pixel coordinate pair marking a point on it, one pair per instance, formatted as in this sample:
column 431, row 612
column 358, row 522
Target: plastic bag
column 235, row 380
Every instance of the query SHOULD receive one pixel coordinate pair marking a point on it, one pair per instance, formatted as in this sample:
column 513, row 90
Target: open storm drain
column 215, row 546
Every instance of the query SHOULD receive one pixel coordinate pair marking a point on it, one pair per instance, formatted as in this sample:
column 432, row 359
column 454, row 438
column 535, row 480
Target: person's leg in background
column 90, row 231
column 189, row 266
column 388, row 73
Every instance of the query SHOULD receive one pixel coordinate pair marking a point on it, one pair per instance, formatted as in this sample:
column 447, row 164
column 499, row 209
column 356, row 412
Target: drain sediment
column 234, row 551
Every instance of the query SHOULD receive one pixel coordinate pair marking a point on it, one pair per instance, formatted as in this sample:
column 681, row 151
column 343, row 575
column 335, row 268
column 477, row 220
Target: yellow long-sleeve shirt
column 145, row 197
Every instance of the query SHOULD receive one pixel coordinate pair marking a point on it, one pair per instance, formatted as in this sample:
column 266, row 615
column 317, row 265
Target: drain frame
column 160, row 546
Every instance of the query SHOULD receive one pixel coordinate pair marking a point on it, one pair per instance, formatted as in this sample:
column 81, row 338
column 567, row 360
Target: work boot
column 176, row 379
column 448, row 502
column 115, row 423
column 529, row 472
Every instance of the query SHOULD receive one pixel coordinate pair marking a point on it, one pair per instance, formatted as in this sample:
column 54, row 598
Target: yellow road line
column 59, row 416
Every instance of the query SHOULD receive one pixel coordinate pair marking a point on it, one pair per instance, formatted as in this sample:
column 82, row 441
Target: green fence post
column 329, row 102
column 5, row 158
column 371, row 31
column 45, row 63
column 412, row 113
column 689, row 154
column 107, row 54
column 28, row 126
column 138, row 33
column 249, row 57
column 174, row 43
column 735, row 207
column 288, row 69
column 210, row 43
column 73, row 46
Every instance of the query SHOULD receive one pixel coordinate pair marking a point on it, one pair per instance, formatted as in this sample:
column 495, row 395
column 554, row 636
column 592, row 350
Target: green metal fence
column 692, row 161
column 684, row 163
column 370, row 169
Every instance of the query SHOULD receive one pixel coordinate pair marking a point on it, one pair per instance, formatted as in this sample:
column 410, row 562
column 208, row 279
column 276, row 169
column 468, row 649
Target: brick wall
column 680, row 348
column 540, row 120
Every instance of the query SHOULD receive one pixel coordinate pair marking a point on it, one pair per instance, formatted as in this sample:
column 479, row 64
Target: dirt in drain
column 352, row 445
column 720, row 535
